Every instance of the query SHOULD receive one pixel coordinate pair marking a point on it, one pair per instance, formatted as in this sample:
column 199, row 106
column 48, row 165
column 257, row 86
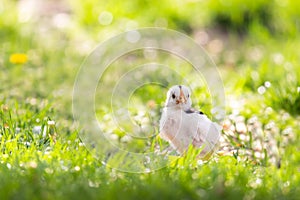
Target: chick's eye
column 173, row 96
column 188, row 95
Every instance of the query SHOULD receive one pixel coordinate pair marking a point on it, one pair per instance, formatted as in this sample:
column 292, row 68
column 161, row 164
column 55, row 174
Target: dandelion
column 18, row 58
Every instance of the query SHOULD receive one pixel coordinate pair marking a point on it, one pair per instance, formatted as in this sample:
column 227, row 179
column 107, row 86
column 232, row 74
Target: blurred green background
column 255, row 45
column 252, row 41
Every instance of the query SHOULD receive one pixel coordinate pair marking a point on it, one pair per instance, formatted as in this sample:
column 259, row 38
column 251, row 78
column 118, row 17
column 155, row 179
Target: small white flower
column 51, row 123
column 8, row 166
column 261, row 89
column 147, row 170
column 37, row 129
column 77, row 168
column 94, row 184
column 18, row 130
column 267, row 84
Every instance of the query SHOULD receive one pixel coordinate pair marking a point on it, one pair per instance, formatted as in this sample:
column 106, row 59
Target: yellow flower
column 18, row 58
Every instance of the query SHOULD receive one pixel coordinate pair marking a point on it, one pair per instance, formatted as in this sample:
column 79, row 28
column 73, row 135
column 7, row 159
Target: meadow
column 255, row 46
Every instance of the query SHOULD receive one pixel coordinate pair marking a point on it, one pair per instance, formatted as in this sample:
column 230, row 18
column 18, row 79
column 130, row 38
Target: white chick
column 181, row 125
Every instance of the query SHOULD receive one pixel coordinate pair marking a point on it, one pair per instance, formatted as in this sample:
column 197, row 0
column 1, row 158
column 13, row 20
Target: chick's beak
column 182, row 98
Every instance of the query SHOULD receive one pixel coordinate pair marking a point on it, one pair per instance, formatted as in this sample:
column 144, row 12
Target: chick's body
column 181, row 126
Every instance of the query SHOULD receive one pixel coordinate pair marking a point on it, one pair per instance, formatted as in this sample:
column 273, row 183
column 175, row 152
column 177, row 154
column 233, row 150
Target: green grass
column 42, row 155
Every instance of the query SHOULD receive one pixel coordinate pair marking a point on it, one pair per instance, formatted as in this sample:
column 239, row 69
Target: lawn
column 46, row 153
